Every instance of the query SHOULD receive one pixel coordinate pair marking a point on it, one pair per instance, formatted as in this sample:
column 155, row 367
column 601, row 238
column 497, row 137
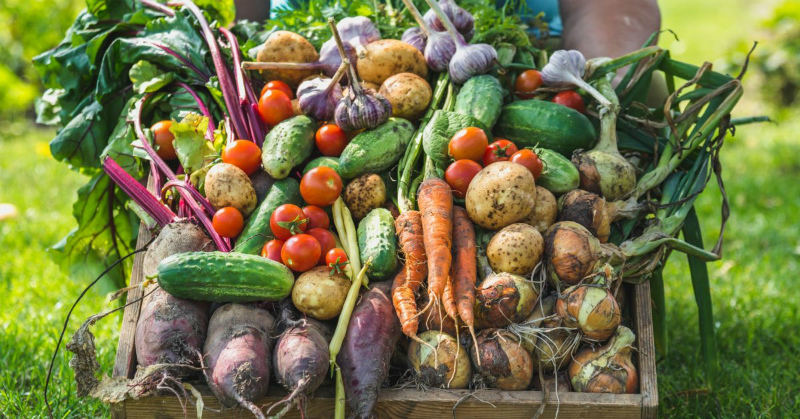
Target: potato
column 364, row 194
column 320, row 294
column 228, row 186
column 409, row 94
column 387, row 57
column 544, row 211
column 501, row 194
column 287, row 47
column 516, row 249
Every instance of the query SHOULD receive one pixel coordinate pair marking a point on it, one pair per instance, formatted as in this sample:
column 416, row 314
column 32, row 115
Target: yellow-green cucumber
column 559, row 175
column 376, row 242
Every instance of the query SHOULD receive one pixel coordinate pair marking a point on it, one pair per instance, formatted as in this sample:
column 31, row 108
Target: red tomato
column 570, row 99
column 317, row 217
column 162, row 137
column 331, row 140
column 527, row 82
column 336, row 259
column 326, row 241
column 274, row 107
column 469, row 143
column 243, row 154
column 530, row 160
column 278, row 85
column 301, row 252
column 459, row 174
column 228, row 222
column 288, row 220
column 500, row 150
column 272, row 250
column 321, row 186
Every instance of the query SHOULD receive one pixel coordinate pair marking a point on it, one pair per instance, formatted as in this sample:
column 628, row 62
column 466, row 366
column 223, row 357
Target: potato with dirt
column 409, row 95
column 516, row 249
column 501, row 194
column 386, row 57
column 287, row 47
column 229, row 186
column 545, row 211
column 365, row 193
column 319, row 293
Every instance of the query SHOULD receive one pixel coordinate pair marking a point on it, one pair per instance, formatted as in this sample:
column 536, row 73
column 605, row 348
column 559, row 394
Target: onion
column 572, row 253
column 594, row 212
column 608, row 369
column 543, row 336
column 502, row 361
column 442, row 362
column 502, row 299
column 591, row 309
column 554, row 383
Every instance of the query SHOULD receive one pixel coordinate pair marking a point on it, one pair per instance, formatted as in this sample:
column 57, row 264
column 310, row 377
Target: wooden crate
column 410, row 403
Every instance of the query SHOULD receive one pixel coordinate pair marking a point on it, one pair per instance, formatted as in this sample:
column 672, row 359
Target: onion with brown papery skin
column 573, row 253
column 550, row 344
column 594, row 212
column 448, row 367
column 544, row 212
column 590, row 308
column 501, row 360
column 502, row 299
column 555, row 383
column 607, row 369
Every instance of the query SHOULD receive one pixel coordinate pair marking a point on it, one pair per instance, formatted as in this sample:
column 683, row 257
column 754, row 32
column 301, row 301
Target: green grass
column 755, row 307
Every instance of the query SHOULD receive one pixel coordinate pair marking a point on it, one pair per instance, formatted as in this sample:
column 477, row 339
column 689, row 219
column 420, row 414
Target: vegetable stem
column 608, row 119
column 257, row 65
column 138, row 193
column 417, row 16
column 340, row 396
column 355, row 84
column 451, row 29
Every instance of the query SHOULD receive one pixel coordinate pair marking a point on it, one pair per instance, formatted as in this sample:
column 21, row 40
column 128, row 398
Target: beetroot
column 301, row 360
column 372, row 335
column 171, row 330
column 237, row 355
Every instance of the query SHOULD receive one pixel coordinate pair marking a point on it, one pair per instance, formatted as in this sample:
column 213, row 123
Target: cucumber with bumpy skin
column 332, row 162
column 287, row 145
column 228, row 277
column 376, row 242
column 481, row 97
column 560, row 175
column 539, row 123
column 376, row 150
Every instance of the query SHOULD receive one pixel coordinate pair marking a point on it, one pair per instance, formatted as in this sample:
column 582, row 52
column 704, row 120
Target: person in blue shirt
column 597, row 28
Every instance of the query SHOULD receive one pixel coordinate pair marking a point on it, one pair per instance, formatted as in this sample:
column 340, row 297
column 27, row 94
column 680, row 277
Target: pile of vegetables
column 468, row 212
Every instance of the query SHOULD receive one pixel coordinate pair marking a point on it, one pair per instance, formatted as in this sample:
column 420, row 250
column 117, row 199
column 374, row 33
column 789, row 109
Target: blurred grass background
column 756, row 311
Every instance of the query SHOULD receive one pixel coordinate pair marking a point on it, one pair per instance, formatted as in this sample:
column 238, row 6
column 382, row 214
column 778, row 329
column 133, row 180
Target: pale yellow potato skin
column 409, row 94
column 501, row 194
column 320, row 294
column 228, row 186
column 516, row 249
column 544, row 211
column 287, row 47
column 364, row 194
column 387, row 57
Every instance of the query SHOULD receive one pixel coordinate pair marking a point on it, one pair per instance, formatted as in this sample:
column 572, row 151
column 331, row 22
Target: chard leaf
column 110, row 9
column 193, row 149
column 223, row 11
column 106, row 231
column 148, row 78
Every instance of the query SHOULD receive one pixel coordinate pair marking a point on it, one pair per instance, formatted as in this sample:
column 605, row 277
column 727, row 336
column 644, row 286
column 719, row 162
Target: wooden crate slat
column 645, row 342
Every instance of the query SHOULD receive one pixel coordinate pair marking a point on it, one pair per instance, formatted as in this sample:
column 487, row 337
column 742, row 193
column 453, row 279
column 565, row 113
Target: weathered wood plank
column 648, row 385
column 411, row 403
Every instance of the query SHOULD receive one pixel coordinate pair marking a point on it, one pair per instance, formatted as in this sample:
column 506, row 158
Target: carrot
column 436, row 206
column 465, row 270
column 449, row 300
column 404, row 289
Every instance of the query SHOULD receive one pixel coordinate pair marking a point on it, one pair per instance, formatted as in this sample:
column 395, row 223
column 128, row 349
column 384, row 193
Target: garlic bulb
column 357, row 31
column 330, row 58
column 591, row 309
column 439, row 47
column 469, row 59
column 463, row 20
column 416, row 37
column 318, row 97
column 607, row 369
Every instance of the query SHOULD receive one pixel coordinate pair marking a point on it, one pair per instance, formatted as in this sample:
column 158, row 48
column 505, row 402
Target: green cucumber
column 287, row 145
column 376, row 241
column 257, row 230
column 332, row 162
column 560, row 175
column 532, row 123
column 228, row 277
column 376, row 150
column 440, row 129
column 481, row 97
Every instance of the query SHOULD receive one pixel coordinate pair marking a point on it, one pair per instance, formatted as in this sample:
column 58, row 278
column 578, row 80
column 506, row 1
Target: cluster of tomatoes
column 530, row 80
column 470, row 147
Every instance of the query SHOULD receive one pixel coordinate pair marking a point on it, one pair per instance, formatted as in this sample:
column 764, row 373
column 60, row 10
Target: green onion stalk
column 405, row 190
